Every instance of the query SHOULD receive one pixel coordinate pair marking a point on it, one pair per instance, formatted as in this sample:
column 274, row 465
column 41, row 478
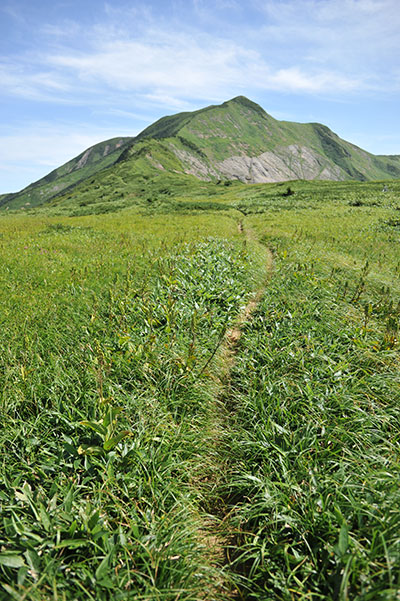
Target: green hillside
column 82, row 167
column 207, row 139
column 236, row 141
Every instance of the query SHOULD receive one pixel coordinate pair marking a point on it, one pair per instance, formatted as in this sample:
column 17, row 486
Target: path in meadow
column 232, row 336
column 215, row 534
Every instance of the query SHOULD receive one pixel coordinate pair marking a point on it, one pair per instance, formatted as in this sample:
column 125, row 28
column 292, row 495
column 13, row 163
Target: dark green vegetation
column 236, row 141
column 128, row 468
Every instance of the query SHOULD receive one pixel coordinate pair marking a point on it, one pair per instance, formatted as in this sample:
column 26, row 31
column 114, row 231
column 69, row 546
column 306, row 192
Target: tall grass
column 314, row 488
column 104, row 342
column 115, row 447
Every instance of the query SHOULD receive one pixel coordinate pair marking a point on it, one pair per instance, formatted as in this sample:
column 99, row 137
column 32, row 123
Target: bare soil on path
column 215, row 535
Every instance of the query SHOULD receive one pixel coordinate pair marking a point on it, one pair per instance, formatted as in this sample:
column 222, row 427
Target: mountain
column 236, row 140
column 82, row 167
column 239, row 140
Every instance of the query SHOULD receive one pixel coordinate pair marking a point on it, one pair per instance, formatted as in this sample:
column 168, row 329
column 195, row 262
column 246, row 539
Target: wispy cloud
column 328, row 47
column 206, row 9
column 12, row 11
column 178, row 67
column 50, row 144
column 175, row 63
column 296, row 80
column 359, row 36
column 32, row 81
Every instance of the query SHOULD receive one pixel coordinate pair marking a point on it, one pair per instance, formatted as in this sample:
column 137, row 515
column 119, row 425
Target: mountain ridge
column 236, row 140
column 318, row 152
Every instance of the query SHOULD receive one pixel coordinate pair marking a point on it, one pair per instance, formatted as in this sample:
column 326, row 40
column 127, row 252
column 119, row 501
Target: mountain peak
column 239, row 100
column 235, row 140
column 242, row 100
column 246, row 102
column 170, row 126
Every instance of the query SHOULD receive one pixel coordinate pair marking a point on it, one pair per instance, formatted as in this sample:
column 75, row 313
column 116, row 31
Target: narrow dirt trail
column 214, row 533
column 232, row 336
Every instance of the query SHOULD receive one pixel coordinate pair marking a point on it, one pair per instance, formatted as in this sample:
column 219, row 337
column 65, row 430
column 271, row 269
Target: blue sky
column 73, row 73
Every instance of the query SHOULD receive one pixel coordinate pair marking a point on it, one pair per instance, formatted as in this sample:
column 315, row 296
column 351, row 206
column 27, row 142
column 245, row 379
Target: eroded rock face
column 194, row 165
column 285, row 163
column 155, row 163
column 84, row 159
column 267, row 167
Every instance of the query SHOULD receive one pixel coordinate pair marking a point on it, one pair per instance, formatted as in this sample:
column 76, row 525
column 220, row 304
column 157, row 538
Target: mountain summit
column 236, row 140
column 239, row 140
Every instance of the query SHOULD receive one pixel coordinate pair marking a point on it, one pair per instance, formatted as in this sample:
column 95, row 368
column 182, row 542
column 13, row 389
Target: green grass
column 105, row 337
column 316, row 396
column 118, row 439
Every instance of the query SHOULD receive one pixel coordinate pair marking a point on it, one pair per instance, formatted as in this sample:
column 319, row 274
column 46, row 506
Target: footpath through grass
column 315, row 396
column 107, row 332
column 114, row 441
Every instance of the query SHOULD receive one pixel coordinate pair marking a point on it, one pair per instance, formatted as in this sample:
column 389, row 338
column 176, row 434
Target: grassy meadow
column 135, row 464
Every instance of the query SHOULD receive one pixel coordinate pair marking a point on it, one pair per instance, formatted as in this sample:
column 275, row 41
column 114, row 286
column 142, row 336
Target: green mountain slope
column 239, row 140
column 82, row 167
column 236, row 140
column 146, row 175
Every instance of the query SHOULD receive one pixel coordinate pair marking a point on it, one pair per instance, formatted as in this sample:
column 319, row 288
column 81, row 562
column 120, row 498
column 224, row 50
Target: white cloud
column 296, row 80
column 305, row 46
column 32, row 151
column 31, row 81
column 332, row 47
column 127, row 115
column 66, row 30
column 172, row 68
column 178, row 63
column 346, row 34
column 179, row 67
